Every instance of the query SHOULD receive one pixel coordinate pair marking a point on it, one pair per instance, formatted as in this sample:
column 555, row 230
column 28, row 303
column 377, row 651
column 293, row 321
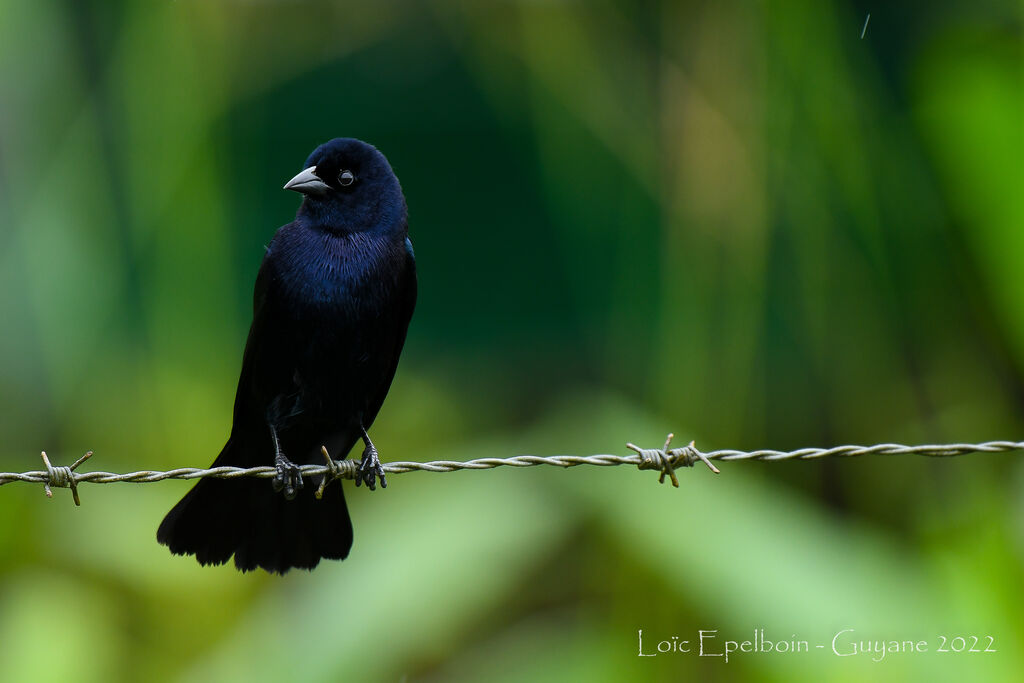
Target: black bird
column 333, row 300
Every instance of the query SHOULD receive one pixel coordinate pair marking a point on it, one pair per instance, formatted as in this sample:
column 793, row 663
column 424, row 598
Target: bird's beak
column 307, row 182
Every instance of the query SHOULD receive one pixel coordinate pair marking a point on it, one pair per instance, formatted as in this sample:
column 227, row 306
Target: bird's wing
column 404, row 305
column 266, row 372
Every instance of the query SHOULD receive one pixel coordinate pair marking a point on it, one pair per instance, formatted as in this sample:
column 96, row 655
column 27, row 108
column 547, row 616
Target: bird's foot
column 370, row 468
column 289, row 477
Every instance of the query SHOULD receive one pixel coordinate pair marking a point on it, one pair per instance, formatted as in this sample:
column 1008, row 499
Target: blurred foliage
column 737, row 221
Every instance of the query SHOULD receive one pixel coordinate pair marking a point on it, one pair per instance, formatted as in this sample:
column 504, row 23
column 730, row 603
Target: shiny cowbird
column 332, row 303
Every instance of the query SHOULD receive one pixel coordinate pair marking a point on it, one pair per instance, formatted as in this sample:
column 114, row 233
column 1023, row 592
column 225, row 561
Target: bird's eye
column 346, row 178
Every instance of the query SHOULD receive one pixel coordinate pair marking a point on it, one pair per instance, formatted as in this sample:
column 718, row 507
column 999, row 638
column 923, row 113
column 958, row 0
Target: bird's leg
column 289, row 475
column 370, row 467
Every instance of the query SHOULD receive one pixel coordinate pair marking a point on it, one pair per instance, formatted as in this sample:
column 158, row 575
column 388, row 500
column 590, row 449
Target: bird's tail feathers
column 244, row 517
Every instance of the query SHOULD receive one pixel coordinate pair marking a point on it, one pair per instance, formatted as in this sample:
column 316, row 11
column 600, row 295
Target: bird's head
column 348, row 186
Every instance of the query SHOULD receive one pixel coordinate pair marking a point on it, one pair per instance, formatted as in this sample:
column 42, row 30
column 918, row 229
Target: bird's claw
column 289, row 477
column 370, row 468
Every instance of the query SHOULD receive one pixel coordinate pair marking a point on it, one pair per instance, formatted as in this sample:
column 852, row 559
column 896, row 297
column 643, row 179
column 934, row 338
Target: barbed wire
column 665, row 459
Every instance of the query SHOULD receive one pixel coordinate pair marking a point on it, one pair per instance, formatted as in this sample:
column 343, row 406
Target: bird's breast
column 344, row 323
column 335, row 275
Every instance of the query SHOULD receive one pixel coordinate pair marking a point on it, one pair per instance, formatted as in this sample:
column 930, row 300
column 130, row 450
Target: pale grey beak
column 307, row 183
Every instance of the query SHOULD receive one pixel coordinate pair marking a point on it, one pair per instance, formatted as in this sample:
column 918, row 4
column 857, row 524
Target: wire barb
column 63, row 477
column 336, row 469
column 667, row 460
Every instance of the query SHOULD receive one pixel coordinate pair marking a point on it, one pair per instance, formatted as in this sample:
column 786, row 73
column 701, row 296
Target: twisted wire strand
column 664, row 459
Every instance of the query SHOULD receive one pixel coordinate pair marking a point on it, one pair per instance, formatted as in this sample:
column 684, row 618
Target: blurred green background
column 736, row 221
